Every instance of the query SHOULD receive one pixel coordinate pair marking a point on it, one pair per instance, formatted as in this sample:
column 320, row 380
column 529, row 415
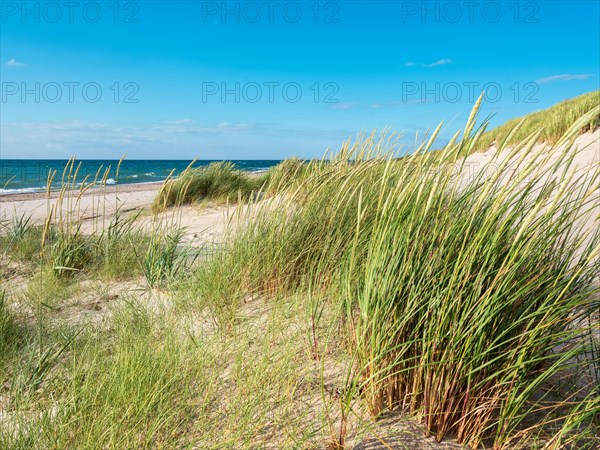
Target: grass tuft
column 218, row 181
column 463, row 299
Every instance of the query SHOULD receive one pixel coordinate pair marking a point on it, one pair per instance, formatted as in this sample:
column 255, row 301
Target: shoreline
column 43, row 194
column 108, row 189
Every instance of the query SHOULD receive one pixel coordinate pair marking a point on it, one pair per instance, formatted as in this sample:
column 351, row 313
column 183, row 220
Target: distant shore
column 30, row 176
column 109, row 189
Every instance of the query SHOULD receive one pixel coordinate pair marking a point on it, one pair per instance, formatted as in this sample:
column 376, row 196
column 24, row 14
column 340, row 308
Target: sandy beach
column 105, row 199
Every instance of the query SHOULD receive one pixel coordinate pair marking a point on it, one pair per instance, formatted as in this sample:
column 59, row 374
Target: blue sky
column 147, row 78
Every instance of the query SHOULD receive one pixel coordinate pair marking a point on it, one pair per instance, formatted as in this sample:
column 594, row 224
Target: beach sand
column 37, row 204
column 586, row 148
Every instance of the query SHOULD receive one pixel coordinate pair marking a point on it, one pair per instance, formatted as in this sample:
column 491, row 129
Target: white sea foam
column 22, row 191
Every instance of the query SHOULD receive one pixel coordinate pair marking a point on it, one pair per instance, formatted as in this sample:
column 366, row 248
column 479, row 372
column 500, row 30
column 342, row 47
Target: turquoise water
column 31, row 175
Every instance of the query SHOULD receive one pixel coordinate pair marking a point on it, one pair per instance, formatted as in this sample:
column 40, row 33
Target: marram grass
column 465, row 299
column 468, row 304
column 550, row 124
column 222, row 182
column 217, row 182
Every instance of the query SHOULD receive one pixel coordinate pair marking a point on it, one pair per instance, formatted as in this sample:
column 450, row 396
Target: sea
column 31, row 175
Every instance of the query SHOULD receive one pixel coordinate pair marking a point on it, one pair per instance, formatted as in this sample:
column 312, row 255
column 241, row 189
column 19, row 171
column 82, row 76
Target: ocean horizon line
column 19, row 176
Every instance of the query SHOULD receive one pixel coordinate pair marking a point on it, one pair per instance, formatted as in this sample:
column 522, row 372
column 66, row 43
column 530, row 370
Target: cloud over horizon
column 564, row 77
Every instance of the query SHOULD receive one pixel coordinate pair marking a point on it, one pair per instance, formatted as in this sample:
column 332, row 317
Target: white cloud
column 15, row 63
column 564, row 77
column 439, row 62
